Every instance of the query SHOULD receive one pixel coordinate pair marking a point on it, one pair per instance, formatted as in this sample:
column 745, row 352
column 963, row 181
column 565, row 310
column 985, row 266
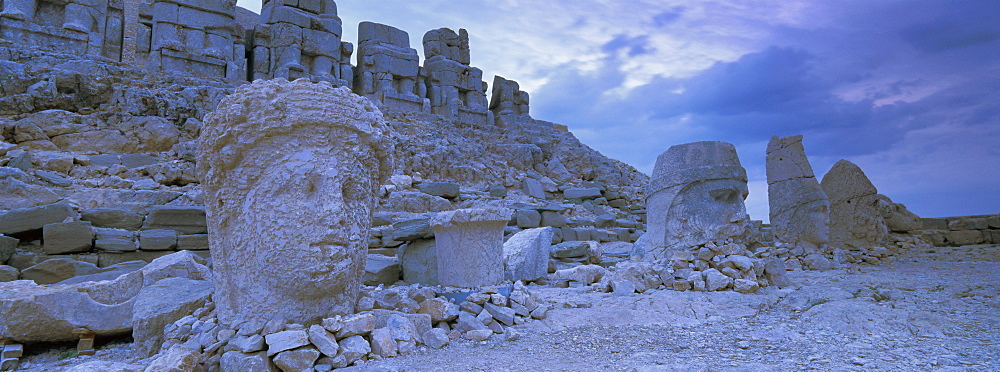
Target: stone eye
column 724, row 195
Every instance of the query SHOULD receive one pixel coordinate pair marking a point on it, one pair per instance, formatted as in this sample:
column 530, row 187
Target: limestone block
column 162, row 304
column 177, row 359
column 502, row 314
column 112, row 218
column 531, row 187
column 553, row 219
column 439, row 309
column 695, row 196
column 8, row 274
column 412, row 229
column 965, row 237
column 570, row 249
column 354, row 347
column 324, row 341
column 28, row 219
column 17, row 191
column 107, row 273
column 196, row 242
column 285, row 340
column 106, row 259
column 856, row 220
column 447, row 190
column 357, row 324
column 235, row 361
column 526, row 254
column 993, row 222
column 967, row 223
column 469, row 245
column 419, row 263
column 115, row 240
column 584, row 193
column 8, row 246
column 301, row 359
column 56, row 270
column 158, row 240
column 436, row 338
column 67, row 237
column 185, row 220
column 716, row 281
column 381, row 269
column 527, row 218
column 995, row 236
column 290, row 189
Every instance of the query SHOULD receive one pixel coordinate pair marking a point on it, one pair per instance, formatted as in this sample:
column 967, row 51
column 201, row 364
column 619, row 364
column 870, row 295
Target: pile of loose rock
column 389, row 322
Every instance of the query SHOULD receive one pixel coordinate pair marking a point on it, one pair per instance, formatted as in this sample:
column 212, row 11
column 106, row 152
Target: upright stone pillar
column 290, row 172
column 800, row 211
column 470, row 246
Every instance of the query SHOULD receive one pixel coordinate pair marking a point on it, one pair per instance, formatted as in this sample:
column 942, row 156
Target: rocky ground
column 934, row 310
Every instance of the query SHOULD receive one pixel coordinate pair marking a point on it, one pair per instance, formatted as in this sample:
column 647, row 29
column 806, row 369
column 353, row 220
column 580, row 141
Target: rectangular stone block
column 553, row 219
column 184, row 220
column 965, row 237
column 967, row 223
column 115, row 240
column 67, row 237
column 112, row 218
column 934, row 224
column 993, row 222
column 527, row 219
column 8, row 246
column 197, row 242
column 28, row 219
column 995, row 236
column 158, row 240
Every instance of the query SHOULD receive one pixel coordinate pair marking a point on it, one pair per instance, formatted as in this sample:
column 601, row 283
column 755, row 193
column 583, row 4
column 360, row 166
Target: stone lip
column 446, row 219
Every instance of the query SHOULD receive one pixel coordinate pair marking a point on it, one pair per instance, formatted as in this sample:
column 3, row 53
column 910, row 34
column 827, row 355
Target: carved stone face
column 707, row 211
column 812, row 222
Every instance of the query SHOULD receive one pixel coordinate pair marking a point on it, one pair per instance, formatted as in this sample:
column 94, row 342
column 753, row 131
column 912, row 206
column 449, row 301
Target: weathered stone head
column 290, row 172
column 696, row 196
column 800, row 211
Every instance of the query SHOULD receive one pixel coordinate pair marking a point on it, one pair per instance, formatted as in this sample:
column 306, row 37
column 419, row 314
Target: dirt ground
column 936, row 310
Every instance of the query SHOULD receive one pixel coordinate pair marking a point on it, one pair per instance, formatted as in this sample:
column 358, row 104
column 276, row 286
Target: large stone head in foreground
column 856, row 221
column 695, row 197
column 800, row 211
column 290, row 172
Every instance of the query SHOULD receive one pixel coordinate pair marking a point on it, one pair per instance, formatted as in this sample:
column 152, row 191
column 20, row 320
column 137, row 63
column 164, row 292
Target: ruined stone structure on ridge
column 215, row 39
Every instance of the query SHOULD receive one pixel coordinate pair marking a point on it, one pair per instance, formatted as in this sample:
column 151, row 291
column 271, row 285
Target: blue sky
column 908, row 90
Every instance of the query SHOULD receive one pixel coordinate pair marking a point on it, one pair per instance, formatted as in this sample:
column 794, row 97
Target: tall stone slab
column 695, row 196
column 388, row 69
column 856, row 221
column 456, row 89
column 469, row 246
column 526, row 254
column 197, row 38
column 302, row 40
column 799, row 209
column 290, row 172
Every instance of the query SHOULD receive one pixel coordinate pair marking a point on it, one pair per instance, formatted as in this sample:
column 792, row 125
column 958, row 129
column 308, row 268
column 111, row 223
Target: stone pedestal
column 470, row 246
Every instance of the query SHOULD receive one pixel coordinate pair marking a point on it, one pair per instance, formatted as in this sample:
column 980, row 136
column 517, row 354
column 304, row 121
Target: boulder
column 439, row 309
column 162, row 304
column 354, row 348
column 9, row 274
column 324, row 341
column 301, row 359
column 286, row 340
column 177, row 359
column 418, row 262
column 28, row 219
column 67, row 237
column 526, row 254
column 57, row 269
column 381, row 269
column 582, row 193
column 8, row 246
column 290, row 173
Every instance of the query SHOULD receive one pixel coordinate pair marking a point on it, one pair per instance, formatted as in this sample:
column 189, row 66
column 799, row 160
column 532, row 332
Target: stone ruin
column 249, row 226
column 799, row 209
column 310, row 206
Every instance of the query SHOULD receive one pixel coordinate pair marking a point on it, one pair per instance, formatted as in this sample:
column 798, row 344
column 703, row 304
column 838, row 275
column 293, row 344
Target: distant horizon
column 906, row 90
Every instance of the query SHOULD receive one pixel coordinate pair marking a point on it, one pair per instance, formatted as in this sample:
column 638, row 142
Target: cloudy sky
column 908, row 90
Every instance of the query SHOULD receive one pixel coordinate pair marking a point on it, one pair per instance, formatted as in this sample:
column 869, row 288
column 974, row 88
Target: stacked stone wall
column 962, row 230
